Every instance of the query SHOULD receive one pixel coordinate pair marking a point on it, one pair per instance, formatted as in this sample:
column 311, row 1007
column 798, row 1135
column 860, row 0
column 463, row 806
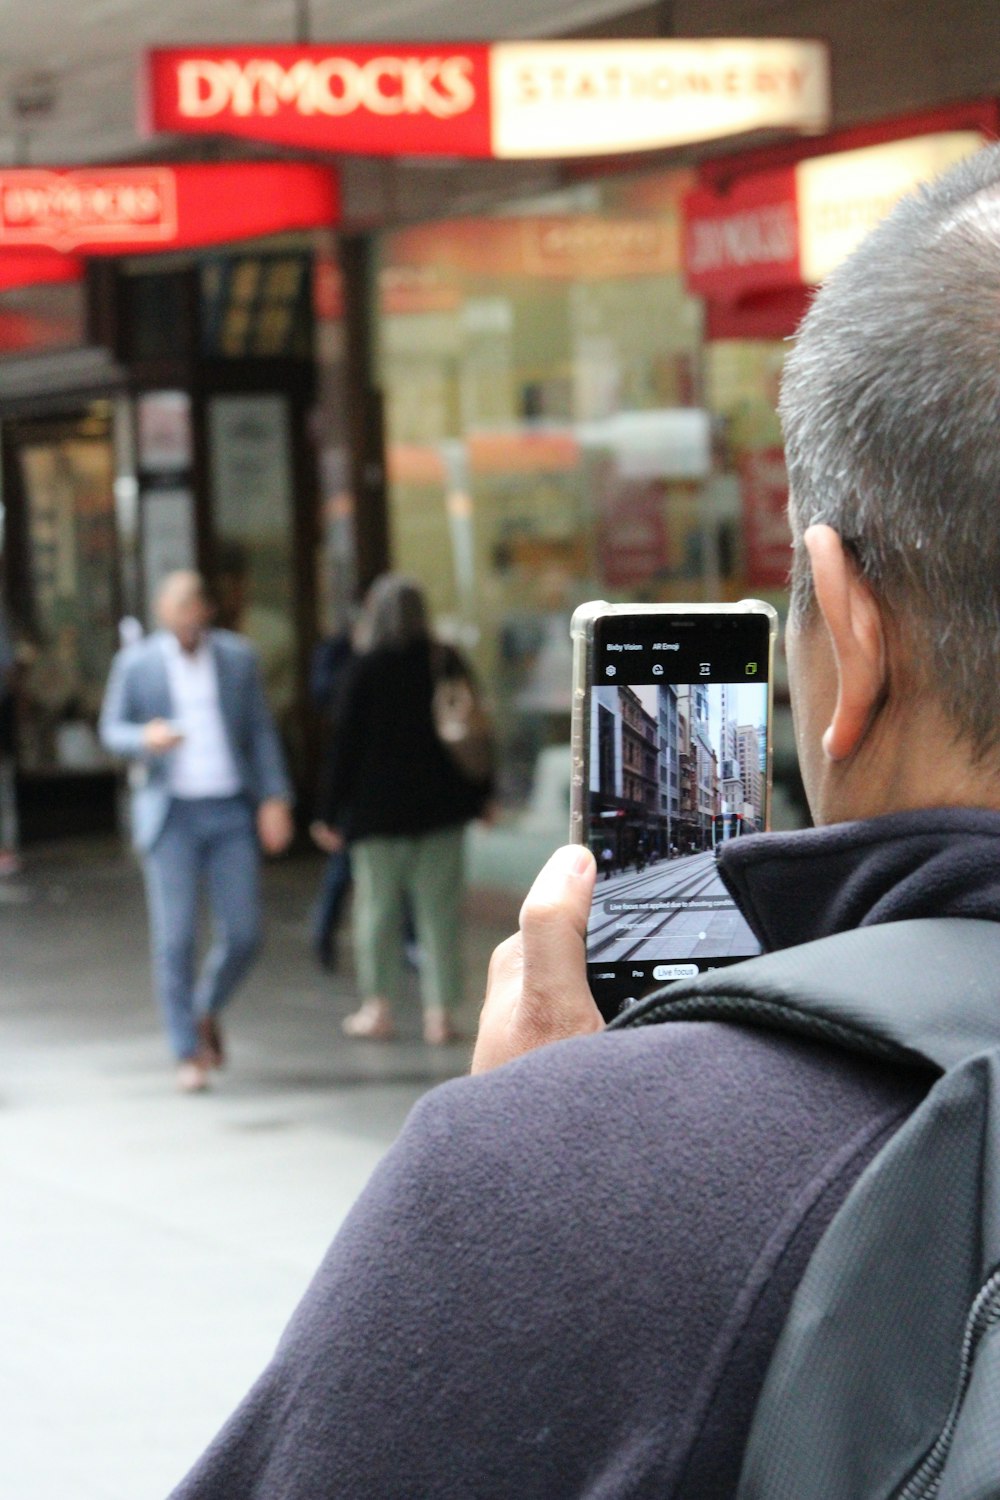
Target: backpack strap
column 925, row 990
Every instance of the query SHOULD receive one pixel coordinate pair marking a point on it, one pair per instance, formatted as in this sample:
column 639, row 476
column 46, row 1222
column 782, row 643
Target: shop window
column 253, row 522
column 158, row 315
column 67, row 610
column 559, row 429
column 256, row 306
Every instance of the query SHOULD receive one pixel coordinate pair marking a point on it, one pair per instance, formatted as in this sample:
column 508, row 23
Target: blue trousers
column 207, row 843
column 330, row 903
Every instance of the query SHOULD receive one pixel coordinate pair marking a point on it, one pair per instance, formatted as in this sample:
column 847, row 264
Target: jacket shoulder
column 235, row 649
column 231, row 640
column 140, row 654
column 232, row 644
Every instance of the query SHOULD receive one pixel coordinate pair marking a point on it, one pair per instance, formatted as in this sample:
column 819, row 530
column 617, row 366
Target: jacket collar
column 938, row 862
column 171, row 646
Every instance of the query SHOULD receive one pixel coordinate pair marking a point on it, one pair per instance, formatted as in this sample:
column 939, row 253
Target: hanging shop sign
column 743, row 241
column 509, row 100
column 594, row 98
column 842, row 197
column 127, row 210
column 789, row 228
column 19, row 268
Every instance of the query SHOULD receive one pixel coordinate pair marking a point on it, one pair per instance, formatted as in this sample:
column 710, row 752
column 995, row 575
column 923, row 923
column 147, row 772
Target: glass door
column 64, row 593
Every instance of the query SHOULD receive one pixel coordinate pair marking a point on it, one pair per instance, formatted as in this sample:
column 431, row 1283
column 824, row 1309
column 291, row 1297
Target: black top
column 567, row 1278
column 387, row 772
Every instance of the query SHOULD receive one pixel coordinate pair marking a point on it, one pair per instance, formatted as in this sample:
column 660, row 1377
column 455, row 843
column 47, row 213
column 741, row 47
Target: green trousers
column 428, row 869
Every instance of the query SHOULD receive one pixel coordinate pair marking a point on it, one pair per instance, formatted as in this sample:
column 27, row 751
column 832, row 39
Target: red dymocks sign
column 365, row 100
column 509, row 99
column 37, row 268
column 746, row 240
column 125, row 210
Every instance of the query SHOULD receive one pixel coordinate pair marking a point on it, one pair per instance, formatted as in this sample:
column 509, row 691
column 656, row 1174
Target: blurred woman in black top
column 395, row 793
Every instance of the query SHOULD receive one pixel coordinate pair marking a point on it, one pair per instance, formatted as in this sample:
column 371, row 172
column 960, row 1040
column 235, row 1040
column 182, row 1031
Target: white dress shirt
column 202, row 765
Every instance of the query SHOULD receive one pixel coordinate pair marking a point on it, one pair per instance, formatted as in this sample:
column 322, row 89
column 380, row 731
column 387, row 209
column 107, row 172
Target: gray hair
column 890, row 405
column 393, row 616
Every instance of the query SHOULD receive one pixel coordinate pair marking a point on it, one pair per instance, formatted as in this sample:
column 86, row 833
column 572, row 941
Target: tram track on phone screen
column 606, row 930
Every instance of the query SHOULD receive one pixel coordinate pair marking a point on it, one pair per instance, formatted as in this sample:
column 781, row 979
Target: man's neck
column 188, row 648
column 903, row 768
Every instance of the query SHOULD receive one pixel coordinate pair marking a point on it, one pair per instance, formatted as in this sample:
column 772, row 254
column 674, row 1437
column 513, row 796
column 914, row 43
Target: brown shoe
column 192, row 1077
column 211, row 1053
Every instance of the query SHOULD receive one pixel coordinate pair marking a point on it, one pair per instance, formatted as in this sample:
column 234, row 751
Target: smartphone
column 671, row 741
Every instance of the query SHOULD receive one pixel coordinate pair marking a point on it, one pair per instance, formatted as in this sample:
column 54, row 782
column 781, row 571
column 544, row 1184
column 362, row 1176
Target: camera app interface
column 678, row 768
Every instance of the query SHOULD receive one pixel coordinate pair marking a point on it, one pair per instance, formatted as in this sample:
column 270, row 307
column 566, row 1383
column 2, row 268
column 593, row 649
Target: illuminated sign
column 441, row 87
column 37, row 268
column 126, row 210
column 511, row 99
column 137, row 205
column 746, row 240
column 368, row 100
column 842, row 197
column 787, row 228
column 594, row 98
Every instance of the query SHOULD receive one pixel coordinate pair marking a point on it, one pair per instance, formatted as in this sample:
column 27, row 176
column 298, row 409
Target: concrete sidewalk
column 153, row 1246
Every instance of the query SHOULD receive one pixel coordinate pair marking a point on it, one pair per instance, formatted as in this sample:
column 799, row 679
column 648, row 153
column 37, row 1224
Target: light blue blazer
column 139, row 690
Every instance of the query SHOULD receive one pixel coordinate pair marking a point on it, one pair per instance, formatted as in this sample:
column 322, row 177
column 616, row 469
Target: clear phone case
column 582, row 630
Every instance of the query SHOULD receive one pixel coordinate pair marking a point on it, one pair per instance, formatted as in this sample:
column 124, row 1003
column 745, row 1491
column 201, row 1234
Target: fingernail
column 572, row 859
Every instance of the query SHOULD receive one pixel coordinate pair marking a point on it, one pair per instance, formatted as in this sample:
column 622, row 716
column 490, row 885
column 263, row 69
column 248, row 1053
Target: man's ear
column 854, row 624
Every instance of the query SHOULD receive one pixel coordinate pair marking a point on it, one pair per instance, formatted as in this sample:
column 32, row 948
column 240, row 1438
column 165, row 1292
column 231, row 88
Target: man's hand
column 274, row 825
column 537, row 987
column 330, row 840
column 159, row 736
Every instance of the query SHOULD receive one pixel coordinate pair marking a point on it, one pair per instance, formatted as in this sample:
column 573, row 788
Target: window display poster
column 164, row 420
column 633, row 544
column 250, row 457
column 168, row 539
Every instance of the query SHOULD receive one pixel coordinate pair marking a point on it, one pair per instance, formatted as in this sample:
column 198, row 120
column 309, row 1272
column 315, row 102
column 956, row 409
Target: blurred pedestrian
column 327, row 672
column 10, row 860
column 395, row 789
column 187, row 705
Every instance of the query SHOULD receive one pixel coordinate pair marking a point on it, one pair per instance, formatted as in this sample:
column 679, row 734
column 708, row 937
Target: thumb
column 563, row 888
column 553, row 928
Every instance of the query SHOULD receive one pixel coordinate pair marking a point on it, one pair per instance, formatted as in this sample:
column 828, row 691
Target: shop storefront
column 572, row 395
column 581, row 390
column 154, row 414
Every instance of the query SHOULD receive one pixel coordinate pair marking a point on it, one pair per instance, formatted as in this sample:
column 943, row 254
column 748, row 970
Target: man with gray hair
column 186, row 706
column 569, row 1275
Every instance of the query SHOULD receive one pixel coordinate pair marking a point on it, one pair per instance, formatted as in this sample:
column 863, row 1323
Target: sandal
column 371, row 1022
column 438, row 1028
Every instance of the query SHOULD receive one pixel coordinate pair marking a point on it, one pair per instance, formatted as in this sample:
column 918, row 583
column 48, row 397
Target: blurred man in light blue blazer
column 186, row 707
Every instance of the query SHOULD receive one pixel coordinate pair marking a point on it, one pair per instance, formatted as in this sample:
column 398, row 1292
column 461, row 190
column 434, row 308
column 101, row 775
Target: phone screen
column 677, row 766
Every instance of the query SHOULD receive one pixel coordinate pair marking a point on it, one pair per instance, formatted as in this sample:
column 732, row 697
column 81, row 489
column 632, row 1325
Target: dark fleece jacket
column 567, row 1277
